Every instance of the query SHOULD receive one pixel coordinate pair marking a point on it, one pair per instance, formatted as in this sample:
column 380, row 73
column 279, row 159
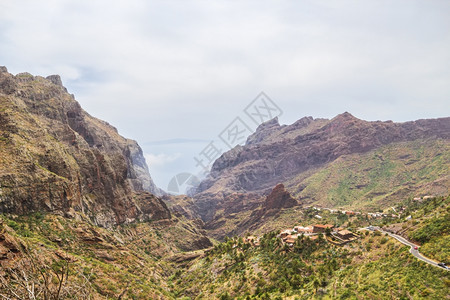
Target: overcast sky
column 174, row 74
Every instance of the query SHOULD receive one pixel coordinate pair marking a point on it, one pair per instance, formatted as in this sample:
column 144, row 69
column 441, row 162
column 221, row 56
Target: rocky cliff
column 56, row 157
column 279, row 198
column 312, row 156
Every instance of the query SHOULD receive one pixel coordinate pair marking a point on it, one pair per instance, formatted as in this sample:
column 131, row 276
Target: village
column 333, row 234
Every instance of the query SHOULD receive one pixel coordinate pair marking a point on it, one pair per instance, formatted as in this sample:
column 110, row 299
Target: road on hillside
column 413, row 251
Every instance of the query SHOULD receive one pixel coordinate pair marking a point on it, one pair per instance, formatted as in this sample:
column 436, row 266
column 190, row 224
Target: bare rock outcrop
column 279, row 198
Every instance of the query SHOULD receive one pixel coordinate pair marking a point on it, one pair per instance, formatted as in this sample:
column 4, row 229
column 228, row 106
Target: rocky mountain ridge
column 298, row 156
column 55, row 157
column 309, row 142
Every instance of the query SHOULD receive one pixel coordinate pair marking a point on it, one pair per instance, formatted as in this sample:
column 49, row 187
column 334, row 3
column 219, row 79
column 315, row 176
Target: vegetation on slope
column 148, row 260
column 374, row 267
column 378, row 178
column 125, row 261
column 430, row 226
column 367, row 182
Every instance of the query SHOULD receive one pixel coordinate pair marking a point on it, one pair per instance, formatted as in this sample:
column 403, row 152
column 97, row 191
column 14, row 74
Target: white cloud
column 161, row 70
column 159, row 160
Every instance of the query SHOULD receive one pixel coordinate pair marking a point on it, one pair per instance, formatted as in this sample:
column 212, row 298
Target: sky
column 175, row 75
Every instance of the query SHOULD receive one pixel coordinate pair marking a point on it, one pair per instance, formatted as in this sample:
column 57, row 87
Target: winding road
column 413, row 251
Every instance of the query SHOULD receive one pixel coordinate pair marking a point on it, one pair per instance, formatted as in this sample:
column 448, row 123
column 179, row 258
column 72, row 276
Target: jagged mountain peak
column 263, row 131
column 345, row 116
column 55, row 79
column 303, row 122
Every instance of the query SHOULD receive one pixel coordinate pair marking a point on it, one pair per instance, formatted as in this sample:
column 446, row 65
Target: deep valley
column 301, row 211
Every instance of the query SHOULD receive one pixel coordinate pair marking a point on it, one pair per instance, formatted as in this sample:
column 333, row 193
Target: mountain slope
column 374, row 267
column 129, row 261
column 78, row 214
column 343, row 162
column 56, row 157
column 374, row 179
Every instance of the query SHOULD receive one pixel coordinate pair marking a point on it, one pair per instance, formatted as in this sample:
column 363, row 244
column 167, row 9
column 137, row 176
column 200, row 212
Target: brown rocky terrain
column 279, row 198
column 55, row 157
column 301, row 155
column 234, row 220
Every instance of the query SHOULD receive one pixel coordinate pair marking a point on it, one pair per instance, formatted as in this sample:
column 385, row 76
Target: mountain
column 343, row 162
column 79, row 218
column 55, row 157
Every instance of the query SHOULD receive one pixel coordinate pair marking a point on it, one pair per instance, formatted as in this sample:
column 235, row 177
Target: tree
column 316, row 284
column 34, row 277
column 225, row 296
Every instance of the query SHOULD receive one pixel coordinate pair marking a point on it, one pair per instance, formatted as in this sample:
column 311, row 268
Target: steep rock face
column 56, row 157
column 138, row 172
column 289, row 154
column 279, row 198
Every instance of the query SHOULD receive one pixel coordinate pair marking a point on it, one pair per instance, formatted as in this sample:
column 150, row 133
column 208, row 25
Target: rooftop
column 345, row 232
column 324, row 226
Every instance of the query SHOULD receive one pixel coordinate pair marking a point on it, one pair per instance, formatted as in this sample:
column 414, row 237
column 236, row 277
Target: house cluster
column 289, row 236
column 338, row 236
column 377, row 215
column 337, row 211
column 381, row 215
